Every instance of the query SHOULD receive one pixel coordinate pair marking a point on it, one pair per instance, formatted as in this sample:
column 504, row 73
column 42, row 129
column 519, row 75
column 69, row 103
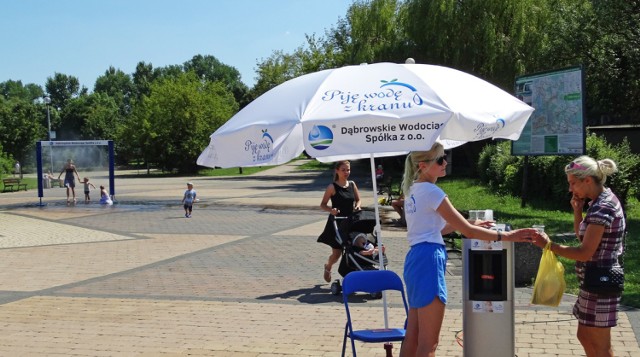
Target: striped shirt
column 606, row 211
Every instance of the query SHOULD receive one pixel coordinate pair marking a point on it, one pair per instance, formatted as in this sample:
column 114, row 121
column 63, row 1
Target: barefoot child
column 87, row 189
column 104, row 196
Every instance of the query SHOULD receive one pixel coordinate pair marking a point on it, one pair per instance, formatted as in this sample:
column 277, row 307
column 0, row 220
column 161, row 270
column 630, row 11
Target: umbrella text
column 368, row 129
column 392, row 137
column 348, row 97
column 368, row 102
column 385, row 128
column 261, row 151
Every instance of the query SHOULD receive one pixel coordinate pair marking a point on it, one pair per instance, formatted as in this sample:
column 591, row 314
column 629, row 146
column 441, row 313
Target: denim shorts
column 424, row 272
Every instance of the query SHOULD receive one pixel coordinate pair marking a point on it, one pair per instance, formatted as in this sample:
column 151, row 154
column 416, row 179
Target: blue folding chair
column 371, row 281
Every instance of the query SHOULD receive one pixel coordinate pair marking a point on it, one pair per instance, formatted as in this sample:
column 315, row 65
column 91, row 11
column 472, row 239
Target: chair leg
column 353, row 347
column 344, row 341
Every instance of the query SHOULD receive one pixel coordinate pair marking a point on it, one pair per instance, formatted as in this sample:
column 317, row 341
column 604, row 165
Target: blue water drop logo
column 320, row 137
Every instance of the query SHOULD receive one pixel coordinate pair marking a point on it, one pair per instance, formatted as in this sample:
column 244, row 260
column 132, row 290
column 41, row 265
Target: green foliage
column 493, row 39
column 546, row 180
column 468, row 194
column 499, row 169
column 281, row 67
column 211, row 69
column 18, row 129
column 625, row 182
column 118, row 86
column 232, row 171
column 602, row 36
column 276, row 69
column 102, row 117
column 14, row 90
column 315, row 165
column 173, row 124
column 90, row 117
column 142, row 79
column 6, row 163
column 376, row 32
column 61, row 88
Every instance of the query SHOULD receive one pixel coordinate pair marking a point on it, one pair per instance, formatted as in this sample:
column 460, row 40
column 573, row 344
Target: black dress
column 343, row 200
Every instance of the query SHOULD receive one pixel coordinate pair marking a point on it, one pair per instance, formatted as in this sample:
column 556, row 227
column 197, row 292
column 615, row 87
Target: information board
column 556, row 127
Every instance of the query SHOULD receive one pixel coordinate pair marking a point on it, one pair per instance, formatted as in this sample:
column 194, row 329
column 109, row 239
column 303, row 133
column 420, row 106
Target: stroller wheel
column 336, row 289
column 377, row 295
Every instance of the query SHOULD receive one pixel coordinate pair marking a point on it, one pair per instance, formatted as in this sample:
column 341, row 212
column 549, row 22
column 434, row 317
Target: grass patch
column 468, row 194
column 315, row 165
column 233, row 171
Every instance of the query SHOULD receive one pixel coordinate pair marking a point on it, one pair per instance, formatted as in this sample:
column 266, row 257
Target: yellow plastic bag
column 549, row 285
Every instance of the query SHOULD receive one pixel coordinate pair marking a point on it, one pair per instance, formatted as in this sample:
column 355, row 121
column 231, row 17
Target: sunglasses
column 439, row 160
column 573, row 165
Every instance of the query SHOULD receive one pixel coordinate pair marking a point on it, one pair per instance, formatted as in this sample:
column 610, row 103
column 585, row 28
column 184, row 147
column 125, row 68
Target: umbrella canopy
column 376, row 110
column 352, row 112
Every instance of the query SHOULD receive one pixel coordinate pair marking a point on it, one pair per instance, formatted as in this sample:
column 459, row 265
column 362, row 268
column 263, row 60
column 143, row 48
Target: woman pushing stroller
column 345, row 200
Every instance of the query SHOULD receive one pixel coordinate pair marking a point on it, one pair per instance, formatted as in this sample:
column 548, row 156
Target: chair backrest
column 371, row 281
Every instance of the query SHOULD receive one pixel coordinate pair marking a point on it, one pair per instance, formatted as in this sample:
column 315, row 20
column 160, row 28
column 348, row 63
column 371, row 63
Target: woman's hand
column 521, row 235
column 335, row 211
column 540, row 239
column 577, row 203
column 357, row 208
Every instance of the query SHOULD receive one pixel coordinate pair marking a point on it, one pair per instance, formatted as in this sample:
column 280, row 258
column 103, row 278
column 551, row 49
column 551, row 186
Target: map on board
column 556, row 127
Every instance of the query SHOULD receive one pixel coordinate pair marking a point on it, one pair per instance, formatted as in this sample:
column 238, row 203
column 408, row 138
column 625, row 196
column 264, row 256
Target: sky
column 83, row 38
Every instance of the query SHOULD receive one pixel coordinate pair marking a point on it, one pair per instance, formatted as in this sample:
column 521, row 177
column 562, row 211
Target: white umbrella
column 384, row 109
column 376, row 110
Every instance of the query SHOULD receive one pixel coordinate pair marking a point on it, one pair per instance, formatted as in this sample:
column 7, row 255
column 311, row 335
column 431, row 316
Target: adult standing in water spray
column 69, row 181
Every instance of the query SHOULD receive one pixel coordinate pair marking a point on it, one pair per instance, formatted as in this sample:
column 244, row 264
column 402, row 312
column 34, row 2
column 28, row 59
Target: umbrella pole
column 378, row 233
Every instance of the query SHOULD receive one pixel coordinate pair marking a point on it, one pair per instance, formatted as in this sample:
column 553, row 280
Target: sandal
column 327, row 274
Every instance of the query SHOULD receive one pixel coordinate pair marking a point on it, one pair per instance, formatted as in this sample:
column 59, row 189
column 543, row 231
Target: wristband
column 499, row 236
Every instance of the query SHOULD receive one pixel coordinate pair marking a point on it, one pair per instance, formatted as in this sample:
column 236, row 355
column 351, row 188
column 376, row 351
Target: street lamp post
column 47, row 101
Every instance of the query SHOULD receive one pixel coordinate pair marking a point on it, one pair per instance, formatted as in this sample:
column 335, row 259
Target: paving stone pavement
column 242, row 277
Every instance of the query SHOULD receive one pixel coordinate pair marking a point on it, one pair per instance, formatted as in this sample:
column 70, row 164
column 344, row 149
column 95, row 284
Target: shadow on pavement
column 319, row 294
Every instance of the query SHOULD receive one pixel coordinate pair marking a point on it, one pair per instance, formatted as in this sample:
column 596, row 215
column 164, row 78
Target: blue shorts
column 424, row 271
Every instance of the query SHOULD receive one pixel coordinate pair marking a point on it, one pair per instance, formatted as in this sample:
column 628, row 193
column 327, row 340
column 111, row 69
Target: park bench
column 10, row 183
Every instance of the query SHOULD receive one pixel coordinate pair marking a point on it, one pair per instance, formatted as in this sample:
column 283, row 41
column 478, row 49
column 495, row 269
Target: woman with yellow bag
column 600, row 232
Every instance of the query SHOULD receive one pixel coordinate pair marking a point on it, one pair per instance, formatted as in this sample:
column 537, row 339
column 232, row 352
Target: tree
column 493, row 39
column 117, row 85
column 6, row 162
column 102, row 117
column 18, row 129
column 142, row 79
column 603, row 37
column 209, row 68
column 276, row 69
column 280, row 67
column 375, row 32
column 14, row 90
column 62, row 88
column 173, row 124
column 613, row 61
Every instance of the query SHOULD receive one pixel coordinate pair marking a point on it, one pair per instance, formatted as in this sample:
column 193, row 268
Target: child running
column 188, row 199
column 87, row 189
